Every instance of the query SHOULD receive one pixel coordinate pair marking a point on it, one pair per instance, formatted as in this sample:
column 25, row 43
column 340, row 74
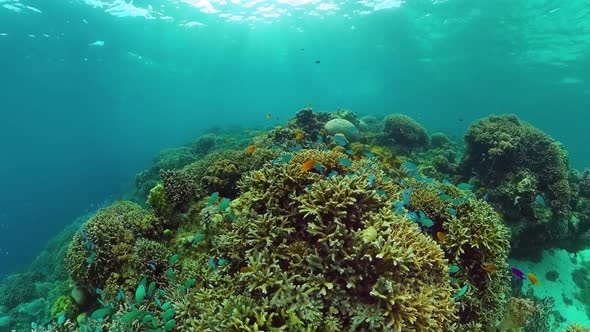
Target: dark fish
column 317, row 62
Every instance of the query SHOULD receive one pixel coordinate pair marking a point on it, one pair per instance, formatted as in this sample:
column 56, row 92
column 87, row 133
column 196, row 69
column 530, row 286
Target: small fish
column 168, row 314
column 441, row 236
column 489, row 268
column 258, row 176
column 332, row 174
column 410, row 167
column 356, row 158
column 120, row 295
column 226, row 141
column 151, row 289
column 309, row 105
column 140, row 293
column 369, row 155
column 340, row 140
column 533, row 279
column 250, row 149
column 452, row 212
column 212, row 263
column 462, row 292
column 296, row 148
column 268, row 115
column 381, row 192
column 188, row 284
column 224, row 204
column 349, row 152
column 371, row 181
column 445, row 197
column 130, row 316
column 222, row 262
column 246, row 269
column 198, row 238
column 98, row 43
column 338, row 149
column 306, row 166
column 406, row 198
column 100, row 313
column 518, row 273
column 399, row 207
column 426, row 222
column 213, row 198
column 169, row 325
column 61, row 319
column 540, row 200
column 152, row 266
column 299, row 136
column 173, row 259
column 413, row 216
column 464, row 186
column 146, row 318
column 446, row 182
column 482, row 189
column 317, row 62
column 454, row 269
column 319, row 168
column 345, row 162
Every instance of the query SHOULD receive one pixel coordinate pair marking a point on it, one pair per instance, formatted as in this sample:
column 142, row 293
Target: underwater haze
column 92, row 90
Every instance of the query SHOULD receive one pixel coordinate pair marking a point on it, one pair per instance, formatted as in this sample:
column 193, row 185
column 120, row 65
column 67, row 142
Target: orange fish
column 489, row 268
column 355, row 157
column 533, row 279
column 268, row 115
column 258, row 176
column 441, row 236
column 306, row 166
column 338, row 149
column 299, row 136
column 227, row 141
column 245, row 269
column 251, row 149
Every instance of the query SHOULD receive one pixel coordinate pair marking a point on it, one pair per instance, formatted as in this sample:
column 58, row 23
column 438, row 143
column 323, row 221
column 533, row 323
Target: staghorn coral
column 406, row 133
column 474, row 238
column 105, row 243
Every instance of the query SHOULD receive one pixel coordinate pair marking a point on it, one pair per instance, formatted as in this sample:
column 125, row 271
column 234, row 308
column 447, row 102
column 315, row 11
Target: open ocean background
column 91, row 90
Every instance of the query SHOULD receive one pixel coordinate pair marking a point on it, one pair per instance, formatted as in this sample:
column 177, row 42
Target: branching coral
column 518, row 313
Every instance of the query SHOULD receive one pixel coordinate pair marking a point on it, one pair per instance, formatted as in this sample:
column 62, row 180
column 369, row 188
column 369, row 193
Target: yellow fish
column 306, row 166
column 268, row 115
column 299, row 136
column 251, row 149
column 489, row 268
column 533, row 279
column 441, row 236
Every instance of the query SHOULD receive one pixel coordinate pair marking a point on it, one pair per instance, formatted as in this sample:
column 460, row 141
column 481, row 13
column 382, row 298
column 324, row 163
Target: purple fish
column 518, row 273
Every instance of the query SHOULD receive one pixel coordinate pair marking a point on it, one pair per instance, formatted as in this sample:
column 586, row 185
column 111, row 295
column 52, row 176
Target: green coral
column 64, row 305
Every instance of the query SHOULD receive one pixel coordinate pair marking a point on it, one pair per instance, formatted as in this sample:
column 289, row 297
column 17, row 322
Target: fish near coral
column 518, row 273
column 441, row 236
column 489, row 268
column 533, row 279
column 250, row 149
column 299, row 136
column 306, row 166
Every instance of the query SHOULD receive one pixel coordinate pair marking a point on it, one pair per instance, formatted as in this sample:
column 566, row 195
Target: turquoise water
column 91, row 91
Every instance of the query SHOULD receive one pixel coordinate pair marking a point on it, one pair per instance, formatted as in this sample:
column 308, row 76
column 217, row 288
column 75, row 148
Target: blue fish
column 485, row 196
column 296, row 148
column 369, row 155
column 413, row 216
column 350, row 152
column 224, row 204
column 332, row 174
column 381, row 192
column 213, row 198
column 540, row 200
column 152, row 266
column 445, row 197
column 421, row 214
column 286, row 158
column 340, row 140
column 446, row 182
column 345, row 162
column 275, row 147
column 464, row 186
column 462, row 292
column 371, row 181
column 399, row 207
column 452, row 212
column 319, row 168
column 212, row 263
column 410, row 167
column 426, row 222
column 406, row 198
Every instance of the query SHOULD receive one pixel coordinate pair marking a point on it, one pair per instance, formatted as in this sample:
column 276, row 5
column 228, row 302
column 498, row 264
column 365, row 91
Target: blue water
column 79, row 121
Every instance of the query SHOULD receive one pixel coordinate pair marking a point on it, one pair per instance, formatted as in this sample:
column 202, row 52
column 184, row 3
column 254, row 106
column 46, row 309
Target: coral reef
column 527, row 175
column 405, row 133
